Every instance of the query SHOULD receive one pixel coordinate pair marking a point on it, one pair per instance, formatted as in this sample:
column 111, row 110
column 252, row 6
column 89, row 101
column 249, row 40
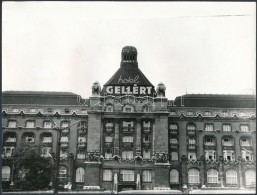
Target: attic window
column 66, row 110
column 49, row 110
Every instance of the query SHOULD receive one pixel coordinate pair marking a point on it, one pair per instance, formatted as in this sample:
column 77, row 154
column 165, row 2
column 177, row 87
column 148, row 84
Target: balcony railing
column 64, row 144
column 173, row 146
column 191, row 132
column 191, row 146
column 127, row 144
column 147, row 130
column 65, row 131
column 82, row 130
column 81, row 144
column 128, row 129
column 108, row 144
column 174, row 131
column 10, row 140
column 146, row 144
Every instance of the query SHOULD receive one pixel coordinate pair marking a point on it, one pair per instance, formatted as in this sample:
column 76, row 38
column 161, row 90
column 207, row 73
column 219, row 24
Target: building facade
column 129, row 136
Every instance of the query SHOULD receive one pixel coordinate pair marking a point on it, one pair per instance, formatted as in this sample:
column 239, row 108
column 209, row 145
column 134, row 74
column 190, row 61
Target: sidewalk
column 225, row 191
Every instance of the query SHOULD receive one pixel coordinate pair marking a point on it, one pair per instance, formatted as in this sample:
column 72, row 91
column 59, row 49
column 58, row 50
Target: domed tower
column 129, row 57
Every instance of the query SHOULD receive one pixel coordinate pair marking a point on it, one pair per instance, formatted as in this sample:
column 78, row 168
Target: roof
column 40, row 97
column 216, row 100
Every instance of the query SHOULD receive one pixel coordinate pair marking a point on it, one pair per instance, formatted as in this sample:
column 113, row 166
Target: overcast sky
column 192, row 47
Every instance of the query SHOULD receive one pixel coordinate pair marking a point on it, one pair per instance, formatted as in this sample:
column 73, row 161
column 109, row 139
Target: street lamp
column 56, row 169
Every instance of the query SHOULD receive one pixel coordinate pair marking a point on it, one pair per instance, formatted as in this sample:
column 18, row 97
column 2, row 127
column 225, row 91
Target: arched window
column 80, row 174
column 250, row 177
column 174, row 176
column 62, row 173
column 231, row 177
column 193, row 176
column 212, row 176
column 6, row 170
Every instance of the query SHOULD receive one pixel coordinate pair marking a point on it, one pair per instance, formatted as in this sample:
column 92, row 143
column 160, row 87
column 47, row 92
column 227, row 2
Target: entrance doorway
column 126, row 187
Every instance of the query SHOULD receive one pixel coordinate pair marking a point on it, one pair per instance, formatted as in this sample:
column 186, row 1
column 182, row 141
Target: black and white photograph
column 128, row 97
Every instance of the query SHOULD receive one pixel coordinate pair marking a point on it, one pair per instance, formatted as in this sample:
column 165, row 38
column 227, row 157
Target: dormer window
column 244, row 128
column 30, row 124
column 128, row 108
column 209, row 141
column 47, row 124
column 209, row 127
column 191, row 127
column 109, row 108
column 65, row 124
column 12, row 124
column 227, row 141
column 244, row 141
column 207, row 113
column 15, row 110
column 66, row 110
column 190, row 113
column 32, row 110
column 226, row 127
column 173, row 126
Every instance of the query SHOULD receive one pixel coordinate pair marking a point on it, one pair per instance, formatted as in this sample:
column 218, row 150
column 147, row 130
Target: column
column 241, row 185
column 184, row 172
column 116, row 137
column 221, row 172
column 138, row 137
column 202, row 172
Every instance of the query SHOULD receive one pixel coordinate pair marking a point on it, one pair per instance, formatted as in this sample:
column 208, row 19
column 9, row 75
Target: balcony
column 146, row 130
column 82, row 130
column 81, row 144
column 173, row 132
column 191, row 147
column 173, row 146
column 146, row 144
column 108, row 144
column 191, row 132
column 128, row 129
column 127, row 144
column 64, row 144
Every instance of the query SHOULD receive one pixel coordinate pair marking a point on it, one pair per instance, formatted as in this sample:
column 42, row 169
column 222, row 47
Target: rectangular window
column 12, row 124
column 207, row 113
column 245, row 142
column 127, row 155
column 190, row 113
column 15, row 110
column 191, row 140
column 127, row 175
column 174, row 156
column 227, row 142
column 65, row 124
column 7, row 151
column 209, row 142
column 228, row 155
column 173, row 141
column 66, row 111
column 208, row 127
column 64, row 139
column 33, row 110
column 172, row 113
column 191, row 127
column 49, row 110
column 108, row 139
column 107, row 175
column 146, row 154
column 47, row 139
column 30, row 124
column 226, row 127
column 82, row 139
column 147, row 176
column 63, row 153
column 108, row 154
column 191, row 156
column 127, row 139
column 210, row 154
column 224, row 113
column 146, row 138
column 29, row 138
column 81, row 154
column 244, row 128
column 47, row 124
column 174, row 127
column 247, row 155
column 146, row 124
column 83, row 111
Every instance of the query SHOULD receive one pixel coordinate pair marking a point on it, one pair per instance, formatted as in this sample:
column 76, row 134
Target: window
column 243, row 114
column 191, row 127
column 127, row 139
column 8, row 150
column 127, row 175
column 47, row 139
column 208, row 127
column 147, row 176
column 146, row 108
column 64, row 139
column 209, row 141
column 109, row 108
column 127, row 125
column 212, row 176
column 226, row 127
column 146, row 154
column 250, row 177
column 108, row 154
column 15, row 110
column 231, row 176
column 191, row 156
column 173, row 141
column 174, row 156
column 49, row 110
column 29, row 137
column 247, row 155
column 227, row 142
column 33, row 110
column 191, row 140
column 174, row 176
column 12, row 124
column 210, row 154
column 146, row 138
column 107, row 175
column 147, row 124
column 80, row 174
column 173, row 126
column 63, row 153
column 207, row 113
column 62, row 173
column 30, row 124
column 83, row 111
column 245, row 141
column 244, row 128
column 66, row 110
column 82, row 139
column 128, row 108
column 173, row 113
column 6, row 172
column 46, row 151
column 127, row 155
column 224, row 113
column 108, row 139
column 65, row 124
column 190, row 113
column 193, row 176
column 81, row 154
column 10, row 138
column 228, row 155
column 47, row 124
